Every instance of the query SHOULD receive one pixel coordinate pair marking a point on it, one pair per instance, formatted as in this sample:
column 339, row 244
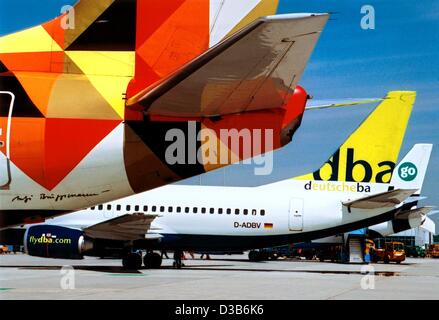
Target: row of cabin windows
column 245, row 212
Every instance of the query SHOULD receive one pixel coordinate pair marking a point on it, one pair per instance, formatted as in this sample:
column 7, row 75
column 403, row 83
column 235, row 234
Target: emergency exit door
column 296, row 214
column 6, row 106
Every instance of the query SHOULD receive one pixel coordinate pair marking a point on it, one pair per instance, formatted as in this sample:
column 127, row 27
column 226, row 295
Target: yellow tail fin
column 371, row 152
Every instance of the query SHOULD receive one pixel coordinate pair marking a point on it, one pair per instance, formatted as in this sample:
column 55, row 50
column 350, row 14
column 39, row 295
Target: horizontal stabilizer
column 327, row 105
column 381, row 200
column 256, row 68
column 414, row 199
column 125, row 227
column 432, row 213
column 423, row 211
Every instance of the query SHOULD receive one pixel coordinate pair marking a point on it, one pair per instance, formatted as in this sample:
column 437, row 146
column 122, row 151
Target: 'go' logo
column 408, row 171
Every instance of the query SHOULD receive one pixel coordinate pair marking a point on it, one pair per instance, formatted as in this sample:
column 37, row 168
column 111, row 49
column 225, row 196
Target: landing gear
column 152, row 260
column 132, row 261
column 261, row 255
column 254, row 256
column 177, row 259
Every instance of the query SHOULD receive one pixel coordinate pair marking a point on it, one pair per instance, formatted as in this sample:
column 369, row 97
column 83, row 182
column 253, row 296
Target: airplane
column 207, row 218
column 89, row 101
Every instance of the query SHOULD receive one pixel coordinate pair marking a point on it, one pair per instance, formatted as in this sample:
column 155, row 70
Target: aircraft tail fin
column 371, row 151
column 429, row 225
column 168, row 37
column 410, row 172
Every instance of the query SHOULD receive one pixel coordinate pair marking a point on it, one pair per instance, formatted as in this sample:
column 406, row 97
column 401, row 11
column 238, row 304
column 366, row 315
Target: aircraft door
column 6, row 106
column 296, row 214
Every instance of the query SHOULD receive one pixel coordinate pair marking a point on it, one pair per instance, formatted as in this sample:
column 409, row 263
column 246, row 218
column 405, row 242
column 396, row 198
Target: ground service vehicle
column 392, row 252
column 433, row 251
column 4, row 249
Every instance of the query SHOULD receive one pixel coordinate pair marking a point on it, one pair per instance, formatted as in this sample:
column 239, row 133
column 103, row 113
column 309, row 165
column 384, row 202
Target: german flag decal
column 268, row 225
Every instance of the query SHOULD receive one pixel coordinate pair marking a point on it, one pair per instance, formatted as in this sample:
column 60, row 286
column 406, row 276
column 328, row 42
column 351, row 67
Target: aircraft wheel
column 254, row 256
column 152, row 260
column 132, row 261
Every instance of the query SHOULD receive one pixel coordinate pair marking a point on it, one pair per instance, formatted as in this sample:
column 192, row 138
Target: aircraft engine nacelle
column 56, row 242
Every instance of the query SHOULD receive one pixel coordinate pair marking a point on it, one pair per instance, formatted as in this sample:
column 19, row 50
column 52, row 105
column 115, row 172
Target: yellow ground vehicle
column 433, row 251
column 392, row 252
column 4, row 249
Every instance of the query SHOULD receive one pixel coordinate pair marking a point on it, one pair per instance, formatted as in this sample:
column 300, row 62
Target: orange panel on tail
column 38, row 87
column 169, row 34
column 47, row 150
column 55, row 30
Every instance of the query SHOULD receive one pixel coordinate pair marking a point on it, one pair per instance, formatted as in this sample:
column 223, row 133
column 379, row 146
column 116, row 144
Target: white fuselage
column 278, row 209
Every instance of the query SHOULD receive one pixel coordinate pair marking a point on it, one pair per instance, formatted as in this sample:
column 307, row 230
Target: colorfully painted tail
column 371, row 151
column 69, row 79
column 119, row 47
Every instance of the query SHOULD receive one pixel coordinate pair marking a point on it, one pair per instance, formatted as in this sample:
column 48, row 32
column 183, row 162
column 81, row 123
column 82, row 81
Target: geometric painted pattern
column 71, row 85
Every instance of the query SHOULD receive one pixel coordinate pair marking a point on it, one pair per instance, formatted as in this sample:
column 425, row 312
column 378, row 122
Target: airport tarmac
column 223, row 277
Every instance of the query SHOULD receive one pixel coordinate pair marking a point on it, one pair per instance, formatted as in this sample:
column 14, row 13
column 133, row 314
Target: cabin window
column 229, row 211
column 236, row 211
column 220, row 210
column 154, row 208
column 178, row 209
column 108, row 206
column 100, row 207
column 245, row 211
column 128, row 207
column 254, row 212
column 186, row 209
column 194, row 209
column 92, row 208
column 212, row 210
column 203, row 210
column 262, row 212
column 136, row 208
column 170, row 209
column 145, row 208
column 162, row 209
column 118, row 207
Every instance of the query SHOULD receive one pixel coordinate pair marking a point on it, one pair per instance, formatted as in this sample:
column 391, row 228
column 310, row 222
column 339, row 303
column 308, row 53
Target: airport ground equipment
column 392, row 252
column 433, row 251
